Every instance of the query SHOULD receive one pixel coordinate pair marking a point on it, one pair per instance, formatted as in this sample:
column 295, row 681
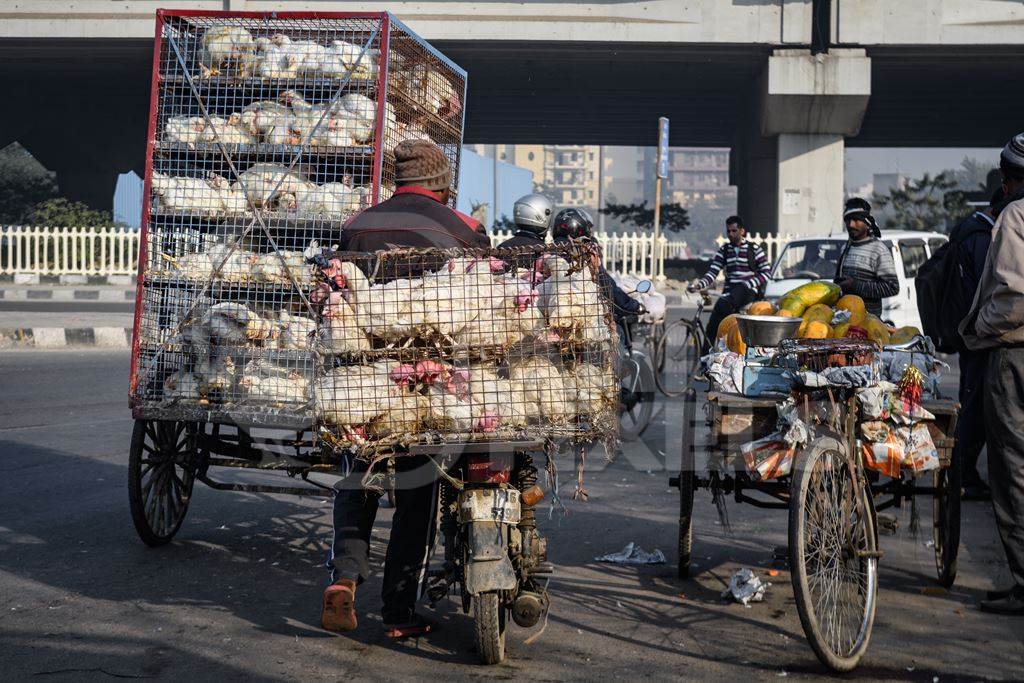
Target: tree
column 505, row 223
column 24, row 182
column 61, row 212
column 928, row 203
column 972, row 174
column 674, row 217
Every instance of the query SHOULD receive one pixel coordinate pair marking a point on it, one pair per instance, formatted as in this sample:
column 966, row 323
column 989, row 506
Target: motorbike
column 493, row 552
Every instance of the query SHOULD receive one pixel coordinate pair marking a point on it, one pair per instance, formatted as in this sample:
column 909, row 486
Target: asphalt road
column 237, row 594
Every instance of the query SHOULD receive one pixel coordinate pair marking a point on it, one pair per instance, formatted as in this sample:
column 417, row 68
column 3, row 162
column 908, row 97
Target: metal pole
column 657, row 223
column 600, row 187
column 494, row 220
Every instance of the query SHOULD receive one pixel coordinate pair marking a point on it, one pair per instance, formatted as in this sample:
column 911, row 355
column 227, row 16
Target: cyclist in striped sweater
column 746, row 273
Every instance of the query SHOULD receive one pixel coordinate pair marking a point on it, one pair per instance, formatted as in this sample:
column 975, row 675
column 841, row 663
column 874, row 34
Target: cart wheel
column 161, row 466
column 676, row 357
column 489, row 625
column 687, row 482
column 946, row 521
column 636, row 381
column 833, row 555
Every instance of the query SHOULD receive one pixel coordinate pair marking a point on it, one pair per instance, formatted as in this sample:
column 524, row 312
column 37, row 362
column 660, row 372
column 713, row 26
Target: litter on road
column 745, row 587
column 633, row 554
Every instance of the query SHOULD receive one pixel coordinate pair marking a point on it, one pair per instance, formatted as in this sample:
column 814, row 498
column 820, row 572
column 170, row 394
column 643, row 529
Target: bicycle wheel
column 833, row 555
column 687, row 484
column 162, row 462
column 636, row 396
column 946, row 521
column 676, row 357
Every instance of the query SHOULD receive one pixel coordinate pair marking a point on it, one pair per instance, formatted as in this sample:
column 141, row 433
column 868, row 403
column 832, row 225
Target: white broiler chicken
column 216, row 375
column 185, row 129
column 270, row 122
column 275, row 57
column 195, row 266
column 544, row 391
column 231, row 199
column 181, row 386
column 272, row 186
column 497, row 404
column 296, row 331
column 329, row 200
column 229, row 131
column 507, row 314
column 234, row 324
column 393, row 311
column 275, row 267
column 342, row 331
column 231, row 264
column 223, row 45
column 596, row 388
column 352, row 396
column 343, row 56
column 263, row 381
column 572, row 303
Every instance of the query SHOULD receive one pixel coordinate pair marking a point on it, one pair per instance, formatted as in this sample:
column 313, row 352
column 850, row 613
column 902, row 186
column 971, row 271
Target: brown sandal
column 339, row 609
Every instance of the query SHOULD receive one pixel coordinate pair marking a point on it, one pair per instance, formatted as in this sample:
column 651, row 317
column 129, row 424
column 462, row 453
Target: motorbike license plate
column 489, row 505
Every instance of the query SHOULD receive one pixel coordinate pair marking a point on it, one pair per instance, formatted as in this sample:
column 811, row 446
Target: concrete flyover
column 786, row 83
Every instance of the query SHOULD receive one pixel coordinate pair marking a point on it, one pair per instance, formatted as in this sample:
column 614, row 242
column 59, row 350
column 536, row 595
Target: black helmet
column 573, row 224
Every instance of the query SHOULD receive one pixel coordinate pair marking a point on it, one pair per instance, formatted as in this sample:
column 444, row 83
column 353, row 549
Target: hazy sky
column 863, row 162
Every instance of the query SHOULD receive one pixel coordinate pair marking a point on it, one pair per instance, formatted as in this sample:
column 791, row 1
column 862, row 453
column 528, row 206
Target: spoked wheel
column 833, row 555
column 489, row 624
column 946, row 521
column 676, row 358
column 161, row 471
column 687, row 481
column 636, row 396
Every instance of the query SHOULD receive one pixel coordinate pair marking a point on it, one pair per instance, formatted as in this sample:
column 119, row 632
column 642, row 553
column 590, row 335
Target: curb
column 54, row 294
column 66, row 337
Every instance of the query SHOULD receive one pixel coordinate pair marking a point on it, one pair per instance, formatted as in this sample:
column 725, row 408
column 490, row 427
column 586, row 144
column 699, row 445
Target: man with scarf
column 996, row 323
column 866, row 267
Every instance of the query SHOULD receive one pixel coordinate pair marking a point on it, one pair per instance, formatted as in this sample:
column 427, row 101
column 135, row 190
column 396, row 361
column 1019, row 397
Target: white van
column 816, row 258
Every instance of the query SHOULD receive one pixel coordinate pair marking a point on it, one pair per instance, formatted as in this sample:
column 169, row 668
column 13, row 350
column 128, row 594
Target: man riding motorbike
column 532, row 214
column 417, row 215
column 576, row 224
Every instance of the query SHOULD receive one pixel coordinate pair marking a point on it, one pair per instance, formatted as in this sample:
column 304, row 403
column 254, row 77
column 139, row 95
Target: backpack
column 942, row 299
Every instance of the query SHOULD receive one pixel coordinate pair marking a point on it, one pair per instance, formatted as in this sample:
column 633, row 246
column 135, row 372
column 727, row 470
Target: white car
column 816, row 258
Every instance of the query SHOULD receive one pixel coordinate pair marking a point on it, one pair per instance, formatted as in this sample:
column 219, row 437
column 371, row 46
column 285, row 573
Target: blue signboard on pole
column 663, row 147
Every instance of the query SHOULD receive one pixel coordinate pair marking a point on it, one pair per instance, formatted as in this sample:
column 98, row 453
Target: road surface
column 237, row 594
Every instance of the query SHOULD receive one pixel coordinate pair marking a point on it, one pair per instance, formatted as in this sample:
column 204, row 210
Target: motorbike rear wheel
column 489, row 622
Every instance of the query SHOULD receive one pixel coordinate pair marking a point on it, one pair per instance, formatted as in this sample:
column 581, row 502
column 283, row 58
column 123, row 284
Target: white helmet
column 533, row 213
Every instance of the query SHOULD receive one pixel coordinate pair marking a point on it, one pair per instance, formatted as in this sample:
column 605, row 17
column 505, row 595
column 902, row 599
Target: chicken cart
column 266, row 132
column 831, row 497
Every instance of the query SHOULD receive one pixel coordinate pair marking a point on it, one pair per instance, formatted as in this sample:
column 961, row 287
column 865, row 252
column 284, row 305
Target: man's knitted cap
column 1013, row 154
column 856, row 208
column 421, row 162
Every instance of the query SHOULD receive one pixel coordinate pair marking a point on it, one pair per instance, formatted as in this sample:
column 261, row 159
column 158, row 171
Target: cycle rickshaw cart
column 267, row 130
column 830, row 495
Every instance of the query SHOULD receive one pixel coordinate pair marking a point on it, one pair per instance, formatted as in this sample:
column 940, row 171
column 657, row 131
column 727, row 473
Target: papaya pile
column 816, row 304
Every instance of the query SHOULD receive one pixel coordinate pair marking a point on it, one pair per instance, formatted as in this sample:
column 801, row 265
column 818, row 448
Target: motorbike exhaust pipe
column 528, row 608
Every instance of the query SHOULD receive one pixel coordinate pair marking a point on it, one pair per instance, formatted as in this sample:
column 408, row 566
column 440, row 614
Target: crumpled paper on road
column 633, row 554
column 746, row 587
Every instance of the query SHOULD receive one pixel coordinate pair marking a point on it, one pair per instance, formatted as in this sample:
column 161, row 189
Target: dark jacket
column 523, row 239
column 974, row 234
column 624, row 303
column 413, row 217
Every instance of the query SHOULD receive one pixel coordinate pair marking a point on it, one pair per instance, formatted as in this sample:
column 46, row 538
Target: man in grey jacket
column 866, row 267
column 996, row 322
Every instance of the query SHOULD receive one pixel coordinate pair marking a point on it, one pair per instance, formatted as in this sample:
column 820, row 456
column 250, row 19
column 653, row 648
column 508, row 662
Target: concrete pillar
column 788, row 159
column 810, row 183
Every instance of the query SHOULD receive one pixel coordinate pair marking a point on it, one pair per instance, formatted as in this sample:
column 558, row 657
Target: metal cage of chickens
column 266, row 132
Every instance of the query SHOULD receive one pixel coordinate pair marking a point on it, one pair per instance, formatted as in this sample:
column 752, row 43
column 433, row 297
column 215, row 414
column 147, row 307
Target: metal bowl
column 766, row 330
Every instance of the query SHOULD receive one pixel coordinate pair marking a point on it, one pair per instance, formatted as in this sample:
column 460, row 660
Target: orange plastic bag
column 884, row 456
column 768, row 458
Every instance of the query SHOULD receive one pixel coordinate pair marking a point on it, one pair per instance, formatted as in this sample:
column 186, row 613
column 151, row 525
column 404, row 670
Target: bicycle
column 678, row 351
column 637, row 382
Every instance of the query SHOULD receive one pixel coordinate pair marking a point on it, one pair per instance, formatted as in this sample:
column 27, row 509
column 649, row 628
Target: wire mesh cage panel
column 267, row 132
column 425, row 346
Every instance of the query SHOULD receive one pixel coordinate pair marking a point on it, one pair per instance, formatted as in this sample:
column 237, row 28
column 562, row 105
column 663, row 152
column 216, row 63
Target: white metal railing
column 68, row 251
column 772, row 244
column 624, row 254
